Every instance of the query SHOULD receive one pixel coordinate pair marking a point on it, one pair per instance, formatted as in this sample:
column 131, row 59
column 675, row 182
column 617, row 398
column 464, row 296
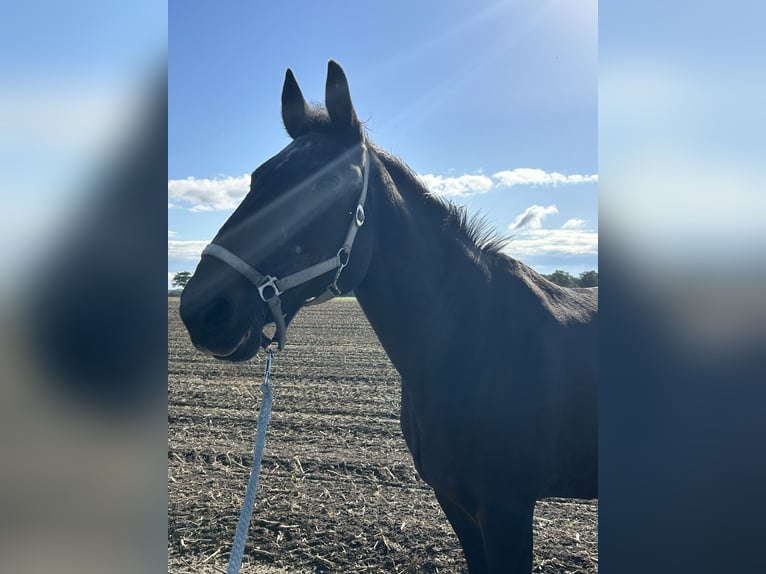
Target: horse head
column 293, row 239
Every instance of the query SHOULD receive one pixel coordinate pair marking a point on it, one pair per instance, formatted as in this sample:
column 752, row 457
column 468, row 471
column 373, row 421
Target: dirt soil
column 338, row 490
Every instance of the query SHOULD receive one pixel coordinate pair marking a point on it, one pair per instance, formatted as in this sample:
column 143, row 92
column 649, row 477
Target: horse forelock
column 318, row 121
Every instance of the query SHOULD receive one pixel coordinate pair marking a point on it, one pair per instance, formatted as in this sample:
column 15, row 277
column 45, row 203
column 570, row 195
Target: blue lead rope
column 238, row 547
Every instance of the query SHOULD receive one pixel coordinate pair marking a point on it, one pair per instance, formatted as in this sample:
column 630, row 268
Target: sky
column 493, row 104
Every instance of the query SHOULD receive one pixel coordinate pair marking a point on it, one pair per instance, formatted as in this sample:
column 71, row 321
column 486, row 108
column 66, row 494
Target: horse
column 497, row 364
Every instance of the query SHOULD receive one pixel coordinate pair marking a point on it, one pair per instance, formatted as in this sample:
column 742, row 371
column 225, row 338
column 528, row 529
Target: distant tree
column 181, row 279
column 562, row 278
column 588, row 279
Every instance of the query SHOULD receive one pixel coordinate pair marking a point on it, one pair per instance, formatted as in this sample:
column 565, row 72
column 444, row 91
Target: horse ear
column 337, row 97
column 294, row 107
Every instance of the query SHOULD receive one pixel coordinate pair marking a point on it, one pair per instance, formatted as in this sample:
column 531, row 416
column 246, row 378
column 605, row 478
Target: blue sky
column 494, row 105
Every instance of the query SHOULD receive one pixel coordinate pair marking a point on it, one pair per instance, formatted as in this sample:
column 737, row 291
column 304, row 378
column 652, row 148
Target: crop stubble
column 338, row 490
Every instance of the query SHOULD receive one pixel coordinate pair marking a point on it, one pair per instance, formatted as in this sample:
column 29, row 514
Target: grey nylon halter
column 270, row 288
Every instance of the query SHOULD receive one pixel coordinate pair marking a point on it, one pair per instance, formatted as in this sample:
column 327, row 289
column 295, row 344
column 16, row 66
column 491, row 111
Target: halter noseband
column 270, row 288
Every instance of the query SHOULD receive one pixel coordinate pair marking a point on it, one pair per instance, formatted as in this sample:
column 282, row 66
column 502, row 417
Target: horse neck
column 422, row 279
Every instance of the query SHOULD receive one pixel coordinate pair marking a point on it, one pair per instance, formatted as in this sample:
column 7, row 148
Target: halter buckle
column 269, row 281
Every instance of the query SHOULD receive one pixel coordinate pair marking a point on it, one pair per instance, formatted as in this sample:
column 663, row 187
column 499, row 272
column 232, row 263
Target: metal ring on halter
column 344, row 254
column 269, row 281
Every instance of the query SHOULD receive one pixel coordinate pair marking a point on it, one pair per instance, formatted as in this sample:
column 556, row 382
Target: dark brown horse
column 498, row 365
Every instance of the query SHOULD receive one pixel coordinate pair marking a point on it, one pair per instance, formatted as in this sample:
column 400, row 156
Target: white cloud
column 554, row 242
column 531, row 176
column 186, row 249
column 171, row 233
column 467, row 184
column 208, row 194
column 532, row 217
column 457, row 186
column 573, row 224
column 530, row 239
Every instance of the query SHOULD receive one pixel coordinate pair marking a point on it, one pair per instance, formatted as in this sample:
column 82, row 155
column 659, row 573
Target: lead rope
column 238, row 547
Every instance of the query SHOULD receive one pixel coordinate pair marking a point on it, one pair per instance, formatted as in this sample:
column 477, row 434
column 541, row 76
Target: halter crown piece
column 270, row 288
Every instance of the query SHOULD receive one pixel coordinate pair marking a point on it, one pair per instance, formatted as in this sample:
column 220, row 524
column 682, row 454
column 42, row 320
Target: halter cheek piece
column 270, row 288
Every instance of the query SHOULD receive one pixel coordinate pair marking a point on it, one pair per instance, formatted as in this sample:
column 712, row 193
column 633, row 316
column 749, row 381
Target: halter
column 270, row 288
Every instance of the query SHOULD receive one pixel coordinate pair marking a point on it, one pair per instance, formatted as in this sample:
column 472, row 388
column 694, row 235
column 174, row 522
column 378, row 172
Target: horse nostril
column 216, row 313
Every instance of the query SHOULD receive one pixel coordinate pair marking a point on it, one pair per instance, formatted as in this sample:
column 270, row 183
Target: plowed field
column 338, row 490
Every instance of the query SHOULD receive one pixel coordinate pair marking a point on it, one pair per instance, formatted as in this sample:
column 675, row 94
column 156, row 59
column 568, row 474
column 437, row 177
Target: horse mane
column 475, row 228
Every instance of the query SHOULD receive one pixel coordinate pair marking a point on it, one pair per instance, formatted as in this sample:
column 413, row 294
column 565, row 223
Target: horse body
column 498, row 364
column 498, row 379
